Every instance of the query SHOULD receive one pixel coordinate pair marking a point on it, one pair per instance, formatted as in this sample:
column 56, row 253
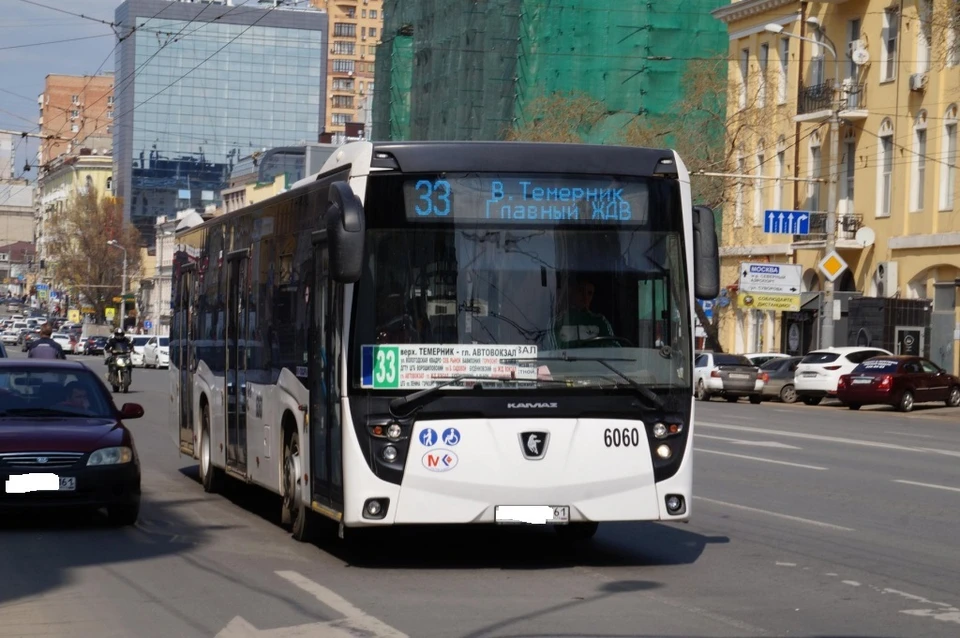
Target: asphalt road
column 807, row 521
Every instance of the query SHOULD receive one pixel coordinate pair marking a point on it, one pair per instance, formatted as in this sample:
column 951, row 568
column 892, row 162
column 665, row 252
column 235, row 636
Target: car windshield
column 877, row 366
column 474, row 292
column 775, row 363
column 26, row 392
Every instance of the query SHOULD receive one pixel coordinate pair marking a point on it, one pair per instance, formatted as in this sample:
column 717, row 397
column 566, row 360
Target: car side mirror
column 131, row 411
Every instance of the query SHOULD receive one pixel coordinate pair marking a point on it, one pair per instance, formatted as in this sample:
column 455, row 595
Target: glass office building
column 200, row 85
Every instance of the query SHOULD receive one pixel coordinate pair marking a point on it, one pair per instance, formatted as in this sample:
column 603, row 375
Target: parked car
column 898, row 381
column 139, row 343
column 760, row 358
column 728, row 375
column 63, row 443
column 819, row 371
column 780, row 372
column 156, row 354
column 65, row 340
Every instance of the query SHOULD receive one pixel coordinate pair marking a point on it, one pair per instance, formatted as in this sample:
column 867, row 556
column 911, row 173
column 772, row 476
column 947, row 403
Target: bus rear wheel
column 577, row 532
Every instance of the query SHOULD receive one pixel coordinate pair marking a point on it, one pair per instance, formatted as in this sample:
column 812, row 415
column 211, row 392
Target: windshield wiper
column 40, row 412
column 646, row 393
column 419, row 395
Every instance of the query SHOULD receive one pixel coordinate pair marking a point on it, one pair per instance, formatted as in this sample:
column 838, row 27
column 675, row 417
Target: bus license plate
column 532, row 514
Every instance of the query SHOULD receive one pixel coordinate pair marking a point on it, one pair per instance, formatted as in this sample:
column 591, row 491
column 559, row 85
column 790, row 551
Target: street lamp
column 123, row 291
column 826, row 320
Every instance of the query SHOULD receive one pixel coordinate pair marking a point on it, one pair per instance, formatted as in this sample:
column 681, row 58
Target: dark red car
column 900, row 381
column 63, row 443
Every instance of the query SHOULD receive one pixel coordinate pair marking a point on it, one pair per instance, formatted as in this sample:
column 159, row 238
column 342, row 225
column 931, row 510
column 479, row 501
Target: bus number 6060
column 621, row 437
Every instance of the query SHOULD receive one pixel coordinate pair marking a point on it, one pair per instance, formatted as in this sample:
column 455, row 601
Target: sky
column 23, row 68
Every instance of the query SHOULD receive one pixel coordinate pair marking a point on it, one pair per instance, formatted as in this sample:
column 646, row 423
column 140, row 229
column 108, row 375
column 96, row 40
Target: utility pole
column 123, row 289
column 826, row 313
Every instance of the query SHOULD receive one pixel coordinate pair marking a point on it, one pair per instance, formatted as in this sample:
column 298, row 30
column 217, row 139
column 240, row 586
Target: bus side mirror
column 345, row 232
column 706, row 254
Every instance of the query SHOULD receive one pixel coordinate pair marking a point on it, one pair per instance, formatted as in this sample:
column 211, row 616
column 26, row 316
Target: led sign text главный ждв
column 526, row 199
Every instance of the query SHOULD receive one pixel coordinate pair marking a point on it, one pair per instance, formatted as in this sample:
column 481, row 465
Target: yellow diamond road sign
column 832, row 265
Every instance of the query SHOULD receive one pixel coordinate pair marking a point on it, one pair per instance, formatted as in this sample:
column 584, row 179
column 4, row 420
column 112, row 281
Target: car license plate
column 809, row 374
column 532, row 514
column 861, row 381
column 39, row 482
column 734, row 375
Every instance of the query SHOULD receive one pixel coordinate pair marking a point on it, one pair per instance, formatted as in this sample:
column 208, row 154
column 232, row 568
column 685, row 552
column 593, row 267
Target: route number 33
column 436, row 198
column 385, row 371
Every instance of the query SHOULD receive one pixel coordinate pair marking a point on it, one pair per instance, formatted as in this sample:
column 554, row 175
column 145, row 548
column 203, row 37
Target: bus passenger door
column 186, row 362
column 236, row 404
column 319, row 374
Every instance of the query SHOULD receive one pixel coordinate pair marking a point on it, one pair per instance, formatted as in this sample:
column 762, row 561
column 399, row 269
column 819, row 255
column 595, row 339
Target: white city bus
column 450, row 332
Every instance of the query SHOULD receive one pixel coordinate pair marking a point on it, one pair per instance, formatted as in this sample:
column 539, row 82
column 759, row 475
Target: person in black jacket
column 118, row 339
column 45, row 347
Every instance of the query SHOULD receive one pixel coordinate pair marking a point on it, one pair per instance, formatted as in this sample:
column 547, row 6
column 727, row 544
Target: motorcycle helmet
column 118, row 333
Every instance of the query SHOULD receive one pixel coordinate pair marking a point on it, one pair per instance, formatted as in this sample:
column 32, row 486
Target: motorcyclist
column 117, row 342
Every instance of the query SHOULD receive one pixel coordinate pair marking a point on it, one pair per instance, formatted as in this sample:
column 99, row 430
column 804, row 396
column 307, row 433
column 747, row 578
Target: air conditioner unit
column 886, row 279
column 918, row 81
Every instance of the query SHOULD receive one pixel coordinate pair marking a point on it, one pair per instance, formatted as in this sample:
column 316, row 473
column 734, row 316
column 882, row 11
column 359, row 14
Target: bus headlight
column 664, row 452
column 394, row 431
column 660, row 431
column 389, row 454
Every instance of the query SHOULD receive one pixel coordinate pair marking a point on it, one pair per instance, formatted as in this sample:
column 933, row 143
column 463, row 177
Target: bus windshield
column 534, row 295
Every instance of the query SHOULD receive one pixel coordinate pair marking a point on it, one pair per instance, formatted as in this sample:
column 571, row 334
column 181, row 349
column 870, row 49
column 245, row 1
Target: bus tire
column 577, row 532
column 302, row 522
column 209, row 475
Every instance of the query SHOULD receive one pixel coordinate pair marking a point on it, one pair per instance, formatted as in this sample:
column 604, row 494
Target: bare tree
column 82, row 261
column 559, row 117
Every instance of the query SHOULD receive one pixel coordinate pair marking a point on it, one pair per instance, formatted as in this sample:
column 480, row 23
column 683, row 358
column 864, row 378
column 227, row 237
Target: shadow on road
column 41, row 549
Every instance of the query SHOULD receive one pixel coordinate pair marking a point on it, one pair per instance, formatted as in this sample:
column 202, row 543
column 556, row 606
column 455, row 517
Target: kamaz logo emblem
column 531, row 406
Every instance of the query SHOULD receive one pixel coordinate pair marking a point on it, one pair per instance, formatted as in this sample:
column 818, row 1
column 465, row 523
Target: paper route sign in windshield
column 388, row 366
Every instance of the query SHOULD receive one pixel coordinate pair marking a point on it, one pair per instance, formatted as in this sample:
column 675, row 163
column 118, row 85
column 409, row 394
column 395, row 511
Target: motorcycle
column 119, row 372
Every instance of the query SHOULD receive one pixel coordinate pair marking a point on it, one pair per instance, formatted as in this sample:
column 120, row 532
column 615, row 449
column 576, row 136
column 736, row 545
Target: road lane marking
column 757, row 458
column 828, row 439
column 787, row 517
column 776, row 444
column 341, row 605
column 933, row 485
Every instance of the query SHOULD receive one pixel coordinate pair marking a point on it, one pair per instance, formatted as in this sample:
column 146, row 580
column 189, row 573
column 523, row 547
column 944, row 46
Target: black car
column 63, row 443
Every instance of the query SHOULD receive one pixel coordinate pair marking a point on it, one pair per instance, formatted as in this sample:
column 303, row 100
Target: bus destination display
column 526, row 199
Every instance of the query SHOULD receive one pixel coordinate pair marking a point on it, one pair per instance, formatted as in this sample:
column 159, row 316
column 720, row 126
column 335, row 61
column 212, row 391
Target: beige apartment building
column 898, row 227
column 355, row 30
column 73, row 108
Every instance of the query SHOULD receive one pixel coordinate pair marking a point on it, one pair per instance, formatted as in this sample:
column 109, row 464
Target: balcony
column 816, row 102
column 847, row 226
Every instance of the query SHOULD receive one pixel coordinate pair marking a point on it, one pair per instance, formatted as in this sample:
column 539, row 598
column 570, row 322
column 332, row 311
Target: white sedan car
column 156, row 354
column 819, row 371
column 64, row 340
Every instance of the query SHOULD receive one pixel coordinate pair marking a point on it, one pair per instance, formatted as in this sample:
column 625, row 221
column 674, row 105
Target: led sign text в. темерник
column 524, row 199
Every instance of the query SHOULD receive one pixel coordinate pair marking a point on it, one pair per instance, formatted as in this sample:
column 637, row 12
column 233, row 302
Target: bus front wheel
column 577, row 532
column 295, row 513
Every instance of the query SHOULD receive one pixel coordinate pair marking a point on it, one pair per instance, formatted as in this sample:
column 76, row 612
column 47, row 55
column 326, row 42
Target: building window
column 109, row 100
column 341, row 118
column 924, row 35
column 342, row 101
column 952, row 43
column 744, row 70
column 363, row 13
column 343, row 66
column 344, row 30
column 888, row 51
column 74, row 113
column 849, row 168
column 919, row 182
column 758, row 190
column 817, row 59
column 813, row 188
column 109, row 115
column 373, row 13
column 738, row 202
column 948, row 165
column 763, row 58
column 343, row 84
column 885, row 169
column 75, row 99
column 781, row 168
column 373, row 32
column 343, row 48
column 784, row 62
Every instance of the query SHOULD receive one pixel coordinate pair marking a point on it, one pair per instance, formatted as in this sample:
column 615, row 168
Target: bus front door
column 186, row 361
column 319, row 375
column 236, row 407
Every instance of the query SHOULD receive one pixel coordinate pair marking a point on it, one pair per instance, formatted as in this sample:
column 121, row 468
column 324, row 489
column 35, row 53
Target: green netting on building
column 473, row 70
